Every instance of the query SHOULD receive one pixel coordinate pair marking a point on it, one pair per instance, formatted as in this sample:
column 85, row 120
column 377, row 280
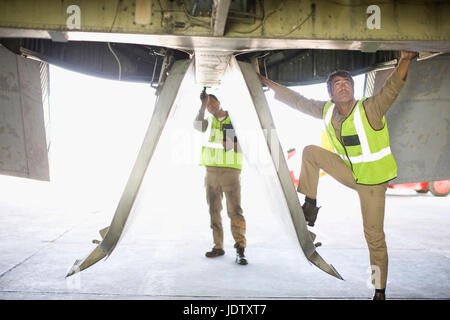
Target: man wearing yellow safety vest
column 362, row 159
column 223, row 161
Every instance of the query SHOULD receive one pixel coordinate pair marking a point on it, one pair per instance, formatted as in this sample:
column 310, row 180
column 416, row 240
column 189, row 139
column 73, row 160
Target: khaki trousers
column 217, row 182
column 372, row 200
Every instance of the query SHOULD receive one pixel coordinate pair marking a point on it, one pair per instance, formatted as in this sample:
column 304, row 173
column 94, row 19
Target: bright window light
column 97, row 128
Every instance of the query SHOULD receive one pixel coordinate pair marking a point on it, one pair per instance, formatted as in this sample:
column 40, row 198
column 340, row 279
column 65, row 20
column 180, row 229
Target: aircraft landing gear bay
column 252, row 113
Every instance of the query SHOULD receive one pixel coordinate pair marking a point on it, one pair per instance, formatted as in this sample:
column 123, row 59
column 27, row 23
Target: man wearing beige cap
column 362, row 160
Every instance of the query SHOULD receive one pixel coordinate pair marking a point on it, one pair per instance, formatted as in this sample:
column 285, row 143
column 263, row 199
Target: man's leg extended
column 315, row 158
column 372, row 200
column 214, row 196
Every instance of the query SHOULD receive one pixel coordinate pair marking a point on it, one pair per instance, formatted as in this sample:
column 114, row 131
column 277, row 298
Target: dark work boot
column 310, row 211
column 215, row 253
column 379, row 296
column 240, row 257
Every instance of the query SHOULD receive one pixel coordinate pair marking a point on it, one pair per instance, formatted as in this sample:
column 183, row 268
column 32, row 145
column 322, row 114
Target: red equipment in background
column 439, row 188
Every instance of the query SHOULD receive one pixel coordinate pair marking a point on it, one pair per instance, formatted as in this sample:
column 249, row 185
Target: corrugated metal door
column 24, row 117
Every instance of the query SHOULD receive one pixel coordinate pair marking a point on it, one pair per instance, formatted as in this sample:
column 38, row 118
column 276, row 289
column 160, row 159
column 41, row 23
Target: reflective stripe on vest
column 331, row 135
column 207, row 137
column 366, row 156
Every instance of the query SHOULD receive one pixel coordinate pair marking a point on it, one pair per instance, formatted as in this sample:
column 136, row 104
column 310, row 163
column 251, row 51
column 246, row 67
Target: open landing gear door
column 164, row 104
column 24, row 117
column 252, row 113
column 251, row 116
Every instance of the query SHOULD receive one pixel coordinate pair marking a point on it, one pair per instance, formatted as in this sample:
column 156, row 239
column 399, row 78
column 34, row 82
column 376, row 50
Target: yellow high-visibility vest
column 213, row 153
column 365, row 150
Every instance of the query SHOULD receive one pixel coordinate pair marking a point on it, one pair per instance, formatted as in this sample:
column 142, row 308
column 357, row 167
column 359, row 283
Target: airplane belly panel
column 419, row 121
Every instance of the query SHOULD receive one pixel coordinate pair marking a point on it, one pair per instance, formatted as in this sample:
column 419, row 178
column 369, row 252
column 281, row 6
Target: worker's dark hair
column 213, row 96
column 340, row 73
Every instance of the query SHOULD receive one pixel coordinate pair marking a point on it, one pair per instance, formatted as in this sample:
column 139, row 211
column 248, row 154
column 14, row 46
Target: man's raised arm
column 294, row 99
column 403, row 64
column 377, row 105
column 200, row 123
